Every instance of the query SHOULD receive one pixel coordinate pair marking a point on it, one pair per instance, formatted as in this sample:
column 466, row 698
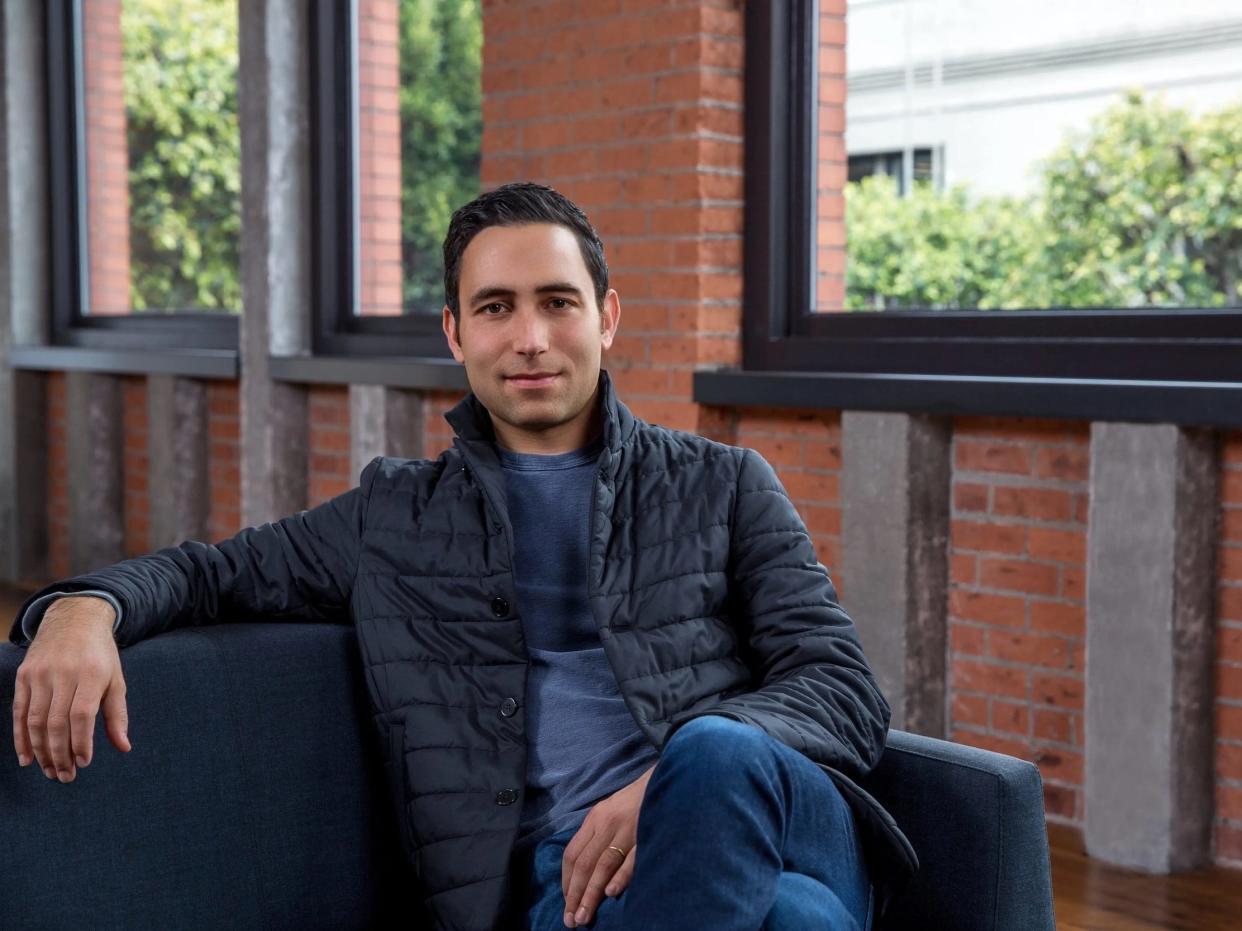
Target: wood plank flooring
column 1090, row 896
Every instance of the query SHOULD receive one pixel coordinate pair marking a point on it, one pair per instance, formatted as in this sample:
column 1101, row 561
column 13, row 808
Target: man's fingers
column 621, row 879
column 21, row 705
column 573, row 850
column 593, row 891
column 593, row 894
column 36, row 723
column 593, row 868
column 82, row 714
column 116, row 715
column 58, row 727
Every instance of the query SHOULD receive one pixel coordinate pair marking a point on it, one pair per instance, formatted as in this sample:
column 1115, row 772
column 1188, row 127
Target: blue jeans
column 736, row 831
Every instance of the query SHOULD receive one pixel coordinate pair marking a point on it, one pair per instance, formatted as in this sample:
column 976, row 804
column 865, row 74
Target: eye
column 558, row 303
column 492, row 309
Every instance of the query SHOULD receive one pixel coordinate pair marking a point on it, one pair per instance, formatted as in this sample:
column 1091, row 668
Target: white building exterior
column 992, row 86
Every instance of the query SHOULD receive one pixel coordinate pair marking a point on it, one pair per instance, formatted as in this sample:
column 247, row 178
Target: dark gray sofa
column 254, row 797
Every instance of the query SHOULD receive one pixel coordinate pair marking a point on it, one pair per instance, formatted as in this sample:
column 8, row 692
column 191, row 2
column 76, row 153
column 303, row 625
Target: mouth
column 532, row 379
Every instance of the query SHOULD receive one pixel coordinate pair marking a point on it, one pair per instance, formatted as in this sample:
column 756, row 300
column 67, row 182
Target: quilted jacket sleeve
column 816, row 693
column 301, row 567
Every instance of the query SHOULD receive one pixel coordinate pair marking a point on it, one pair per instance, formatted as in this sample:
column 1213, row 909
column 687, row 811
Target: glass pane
column 163, row 155
column 1055, row 155
column 419, row 134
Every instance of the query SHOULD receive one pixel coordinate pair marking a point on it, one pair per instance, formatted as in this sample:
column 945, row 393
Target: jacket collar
column 473, row 424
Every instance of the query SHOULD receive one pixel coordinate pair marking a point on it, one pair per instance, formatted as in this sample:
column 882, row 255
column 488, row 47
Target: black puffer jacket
column 704, row 585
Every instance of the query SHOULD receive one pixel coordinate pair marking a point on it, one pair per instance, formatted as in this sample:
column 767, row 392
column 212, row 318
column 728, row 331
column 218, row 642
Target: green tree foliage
column 180, row 75
column 441, row 46
column 1143, row 209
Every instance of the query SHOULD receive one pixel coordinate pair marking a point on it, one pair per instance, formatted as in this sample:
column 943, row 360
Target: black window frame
column 71, row 325
column 782, row 333
column 337, row 329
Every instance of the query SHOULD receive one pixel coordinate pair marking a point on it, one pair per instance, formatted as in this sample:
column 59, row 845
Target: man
column 541, row 609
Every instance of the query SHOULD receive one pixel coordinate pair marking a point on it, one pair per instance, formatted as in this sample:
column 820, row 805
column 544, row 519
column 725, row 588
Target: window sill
column 392, row 371
column 1216, row 404
column 191, row 363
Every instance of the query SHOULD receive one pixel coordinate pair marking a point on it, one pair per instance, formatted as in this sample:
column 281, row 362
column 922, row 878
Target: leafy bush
column 1143, row 209
column 180, row 75
column 441, row 47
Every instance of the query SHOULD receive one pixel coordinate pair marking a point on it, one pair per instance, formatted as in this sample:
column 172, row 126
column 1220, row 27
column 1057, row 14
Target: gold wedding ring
column 618, row 850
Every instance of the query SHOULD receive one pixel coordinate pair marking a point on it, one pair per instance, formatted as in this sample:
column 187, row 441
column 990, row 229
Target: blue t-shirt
column 582, row 742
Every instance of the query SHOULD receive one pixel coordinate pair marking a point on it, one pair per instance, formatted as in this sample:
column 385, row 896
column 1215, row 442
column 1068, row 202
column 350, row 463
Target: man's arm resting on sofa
column 34, row 614
column 300, row 567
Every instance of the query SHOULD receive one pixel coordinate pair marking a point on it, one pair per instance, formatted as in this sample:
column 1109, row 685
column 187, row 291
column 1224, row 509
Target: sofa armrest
column 976, row 820
column 253, row 797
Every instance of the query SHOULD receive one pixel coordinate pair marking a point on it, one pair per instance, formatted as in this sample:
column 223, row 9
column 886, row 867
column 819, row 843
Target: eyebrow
column 552, row 287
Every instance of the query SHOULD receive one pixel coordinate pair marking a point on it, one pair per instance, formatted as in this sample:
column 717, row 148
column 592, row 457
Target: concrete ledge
column 1179, row 402
column 392, row 371
column 191, row 363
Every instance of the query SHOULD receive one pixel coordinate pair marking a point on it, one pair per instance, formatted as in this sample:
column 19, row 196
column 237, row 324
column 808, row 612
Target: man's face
column 531, row 335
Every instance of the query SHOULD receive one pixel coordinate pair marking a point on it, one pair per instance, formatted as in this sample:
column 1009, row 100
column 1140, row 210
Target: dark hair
column 514, row 205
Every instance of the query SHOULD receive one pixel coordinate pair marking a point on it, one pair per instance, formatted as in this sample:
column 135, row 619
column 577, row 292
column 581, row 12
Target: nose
column 530, row 333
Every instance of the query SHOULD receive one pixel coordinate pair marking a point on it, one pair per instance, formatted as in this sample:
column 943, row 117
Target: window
column 894, row 165
column 808, row 256
column 145, row 172
column 398, row 150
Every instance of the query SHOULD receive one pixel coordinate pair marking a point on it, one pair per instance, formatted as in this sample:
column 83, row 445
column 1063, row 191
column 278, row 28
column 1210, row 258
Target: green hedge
column 1142, row 209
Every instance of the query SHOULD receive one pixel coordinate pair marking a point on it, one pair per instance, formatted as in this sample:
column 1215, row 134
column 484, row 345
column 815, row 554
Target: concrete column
column 273, row 101
column 895, row 531
column 1150, row 626
column 383, row 422
column 177, row 449
column 96, row 487
column 24, row 312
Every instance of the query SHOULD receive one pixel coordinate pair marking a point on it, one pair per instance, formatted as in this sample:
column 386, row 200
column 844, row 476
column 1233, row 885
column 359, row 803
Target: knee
column 717, row 741
column 804, row 902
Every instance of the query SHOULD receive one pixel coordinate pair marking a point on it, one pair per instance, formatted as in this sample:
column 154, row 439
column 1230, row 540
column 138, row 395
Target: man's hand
column 589, row 869
column 70, row 667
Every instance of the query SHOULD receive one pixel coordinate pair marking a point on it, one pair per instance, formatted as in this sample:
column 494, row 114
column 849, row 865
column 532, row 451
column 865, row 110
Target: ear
column 609, row 317
column 450, row 334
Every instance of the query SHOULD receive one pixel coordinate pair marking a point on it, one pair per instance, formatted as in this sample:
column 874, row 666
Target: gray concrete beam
column 383, row 422
column 97, row 490
column 1150, row 607
column 24, row 313
column 894, row 556
column 273, row 107
column 177, row 450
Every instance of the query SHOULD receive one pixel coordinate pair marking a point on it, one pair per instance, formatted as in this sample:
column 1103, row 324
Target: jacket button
column 508, row 707
column 500, row 607
column 506, row 797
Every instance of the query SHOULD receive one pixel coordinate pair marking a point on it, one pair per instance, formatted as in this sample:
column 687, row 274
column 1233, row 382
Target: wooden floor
column 1090, row 896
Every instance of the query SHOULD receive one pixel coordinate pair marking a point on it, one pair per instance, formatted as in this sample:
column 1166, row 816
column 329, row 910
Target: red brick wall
column 1229, row 667
column 805, row 449
column 224, row 455
column 1017, row 597
column 328, row 472
column 135, row 465
column 379, row 159
column 57, row 475
column 107, row 164
column 634, row 111
column 831, row 159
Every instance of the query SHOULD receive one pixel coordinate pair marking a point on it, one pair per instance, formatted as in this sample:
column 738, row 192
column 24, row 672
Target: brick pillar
column 379, row 159
column 831, row 160
column 107, row 157
column 634, row 110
